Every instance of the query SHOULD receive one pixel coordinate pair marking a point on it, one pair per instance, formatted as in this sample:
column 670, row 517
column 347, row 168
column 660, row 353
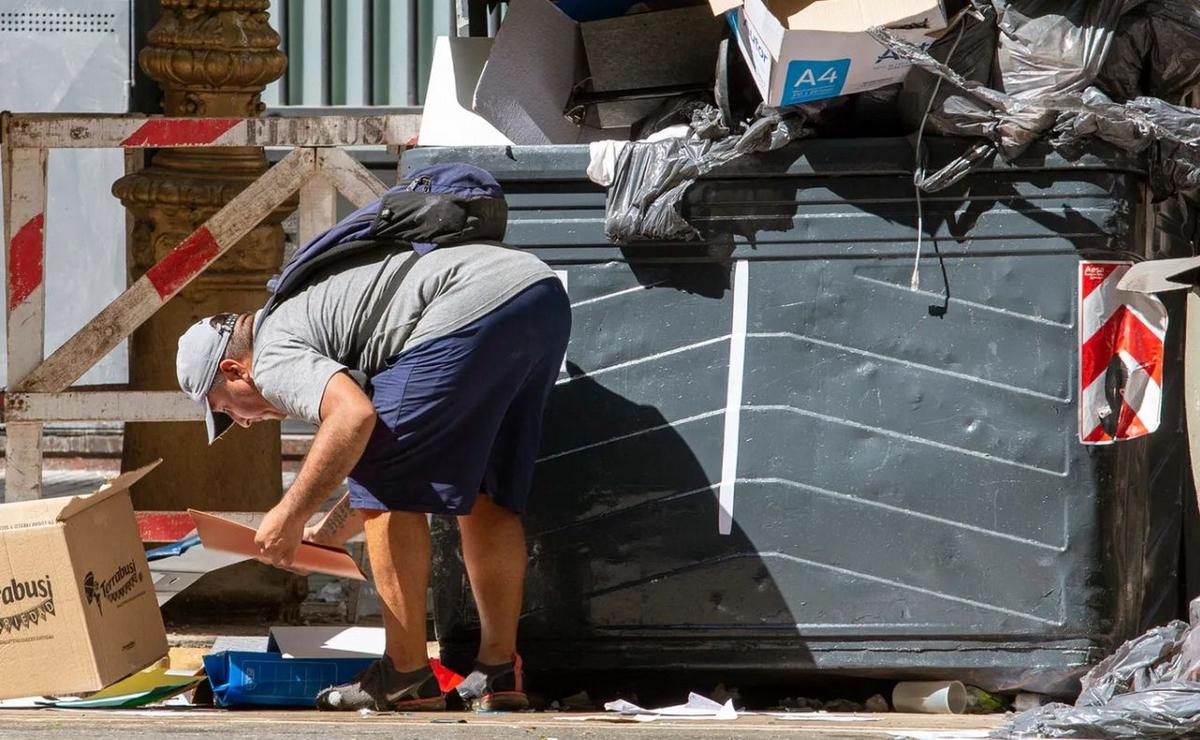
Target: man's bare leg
column 493, row 546
column 398, row 545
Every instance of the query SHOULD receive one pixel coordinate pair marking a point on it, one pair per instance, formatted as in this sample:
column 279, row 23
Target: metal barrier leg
column 25, row 256
column 23, row 463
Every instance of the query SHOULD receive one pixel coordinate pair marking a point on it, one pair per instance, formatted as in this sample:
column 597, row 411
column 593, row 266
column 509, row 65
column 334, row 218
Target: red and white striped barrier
column 1121, row 356
column 105, row 132
column 36, row 387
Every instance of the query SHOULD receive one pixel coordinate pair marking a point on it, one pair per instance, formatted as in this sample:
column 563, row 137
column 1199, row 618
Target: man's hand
column 278, row 537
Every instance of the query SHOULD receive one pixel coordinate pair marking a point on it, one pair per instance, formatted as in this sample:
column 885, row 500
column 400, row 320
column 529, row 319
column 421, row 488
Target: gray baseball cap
column 201, row 349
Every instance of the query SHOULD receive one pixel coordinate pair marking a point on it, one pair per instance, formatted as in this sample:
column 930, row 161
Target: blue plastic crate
column 241, row 679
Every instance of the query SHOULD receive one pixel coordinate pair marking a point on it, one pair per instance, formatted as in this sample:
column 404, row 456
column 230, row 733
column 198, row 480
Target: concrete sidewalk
column 253, row 725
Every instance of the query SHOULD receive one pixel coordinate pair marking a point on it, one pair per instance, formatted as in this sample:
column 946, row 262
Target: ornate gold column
column 211, row 58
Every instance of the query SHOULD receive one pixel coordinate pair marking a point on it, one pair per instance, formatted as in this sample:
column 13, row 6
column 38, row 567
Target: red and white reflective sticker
column 1120, row 356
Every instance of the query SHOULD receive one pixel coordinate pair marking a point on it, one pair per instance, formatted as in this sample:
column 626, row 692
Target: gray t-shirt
column 361, row 311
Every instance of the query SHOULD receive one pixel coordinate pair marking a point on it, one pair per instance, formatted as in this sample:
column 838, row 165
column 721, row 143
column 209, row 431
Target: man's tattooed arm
column 339, row 525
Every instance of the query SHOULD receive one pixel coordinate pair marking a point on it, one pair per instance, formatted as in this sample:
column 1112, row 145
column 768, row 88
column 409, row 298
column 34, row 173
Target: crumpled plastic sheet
column 1146, row 689
column 1050, row 58
column 652, row 177
column 1049, row 47
column 1168, row 135
column 969, row 47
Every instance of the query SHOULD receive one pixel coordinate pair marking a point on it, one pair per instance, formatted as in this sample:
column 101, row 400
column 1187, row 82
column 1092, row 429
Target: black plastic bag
column 1156, row 52
column 1164, row 711
column 969, row 48
column 651, row 178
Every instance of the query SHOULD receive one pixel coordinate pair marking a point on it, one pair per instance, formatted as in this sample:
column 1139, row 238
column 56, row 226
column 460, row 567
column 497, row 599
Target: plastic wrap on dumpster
column 968, row 47
column 1048, row 47
column 1146, row 689
column 1156, row 52
column 1041, row 49
column 652, row 177
column 1168, row 135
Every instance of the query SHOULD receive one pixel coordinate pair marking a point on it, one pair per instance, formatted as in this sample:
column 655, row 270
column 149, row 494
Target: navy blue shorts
column 462, row 414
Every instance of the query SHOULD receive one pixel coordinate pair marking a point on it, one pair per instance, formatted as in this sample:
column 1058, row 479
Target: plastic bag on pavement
column 1134, row 666
column 1164, row 711
column 652, row 177
column 1146, row 689
column 1156, row 52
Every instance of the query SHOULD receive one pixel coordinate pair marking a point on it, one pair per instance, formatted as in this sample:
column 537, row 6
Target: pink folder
column 224, row 535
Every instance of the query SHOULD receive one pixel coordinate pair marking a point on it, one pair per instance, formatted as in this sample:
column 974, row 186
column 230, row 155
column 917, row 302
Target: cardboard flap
column 122, row 482
column 52, row 510
column 720, row 6
column 847, row 16
column 1160, row 276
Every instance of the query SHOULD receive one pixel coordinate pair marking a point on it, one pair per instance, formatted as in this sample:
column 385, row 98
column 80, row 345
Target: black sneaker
column 495, row 688
column 382, row 688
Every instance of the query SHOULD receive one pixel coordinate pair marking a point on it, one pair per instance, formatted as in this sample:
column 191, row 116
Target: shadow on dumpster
column 628, row 573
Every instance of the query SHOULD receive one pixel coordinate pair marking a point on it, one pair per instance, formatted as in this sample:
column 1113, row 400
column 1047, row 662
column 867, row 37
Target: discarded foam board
column 225, row 535
column 447, row 118
column 327, row 641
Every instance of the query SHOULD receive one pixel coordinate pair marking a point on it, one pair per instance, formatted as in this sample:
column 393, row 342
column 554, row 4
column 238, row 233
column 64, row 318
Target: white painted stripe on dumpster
column 618, row 294
column 919, row 589
column 631, row 435
column 641, row 360
column 733, row 399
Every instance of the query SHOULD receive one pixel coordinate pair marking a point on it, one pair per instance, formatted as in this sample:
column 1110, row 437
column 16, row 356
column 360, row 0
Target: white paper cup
column 930, row 697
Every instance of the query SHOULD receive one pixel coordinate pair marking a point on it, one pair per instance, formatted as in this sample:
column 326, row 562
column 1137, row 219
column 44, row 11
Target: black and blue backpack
column 439, row 205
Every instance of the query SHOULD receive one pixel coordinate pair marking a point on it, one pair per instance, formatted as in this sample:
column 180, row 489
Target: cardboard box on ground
column 800, row 51
column 77, row 604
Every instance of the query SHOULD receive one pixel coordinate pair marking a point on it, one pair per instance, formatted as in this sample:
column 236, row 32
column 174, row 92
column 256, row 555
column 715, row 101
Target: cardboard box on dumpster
column 800, row 51
column 648, row 50
column 541, row 55
column 77, row 604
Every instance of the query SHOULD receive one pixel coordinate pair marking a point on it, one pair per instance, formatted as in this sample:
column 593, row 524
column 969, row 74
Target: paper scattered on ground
column 696, row 707
column 142, row 688
column 815, row 716
column 701, row 707
column 29, row 702
column 940, row 734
